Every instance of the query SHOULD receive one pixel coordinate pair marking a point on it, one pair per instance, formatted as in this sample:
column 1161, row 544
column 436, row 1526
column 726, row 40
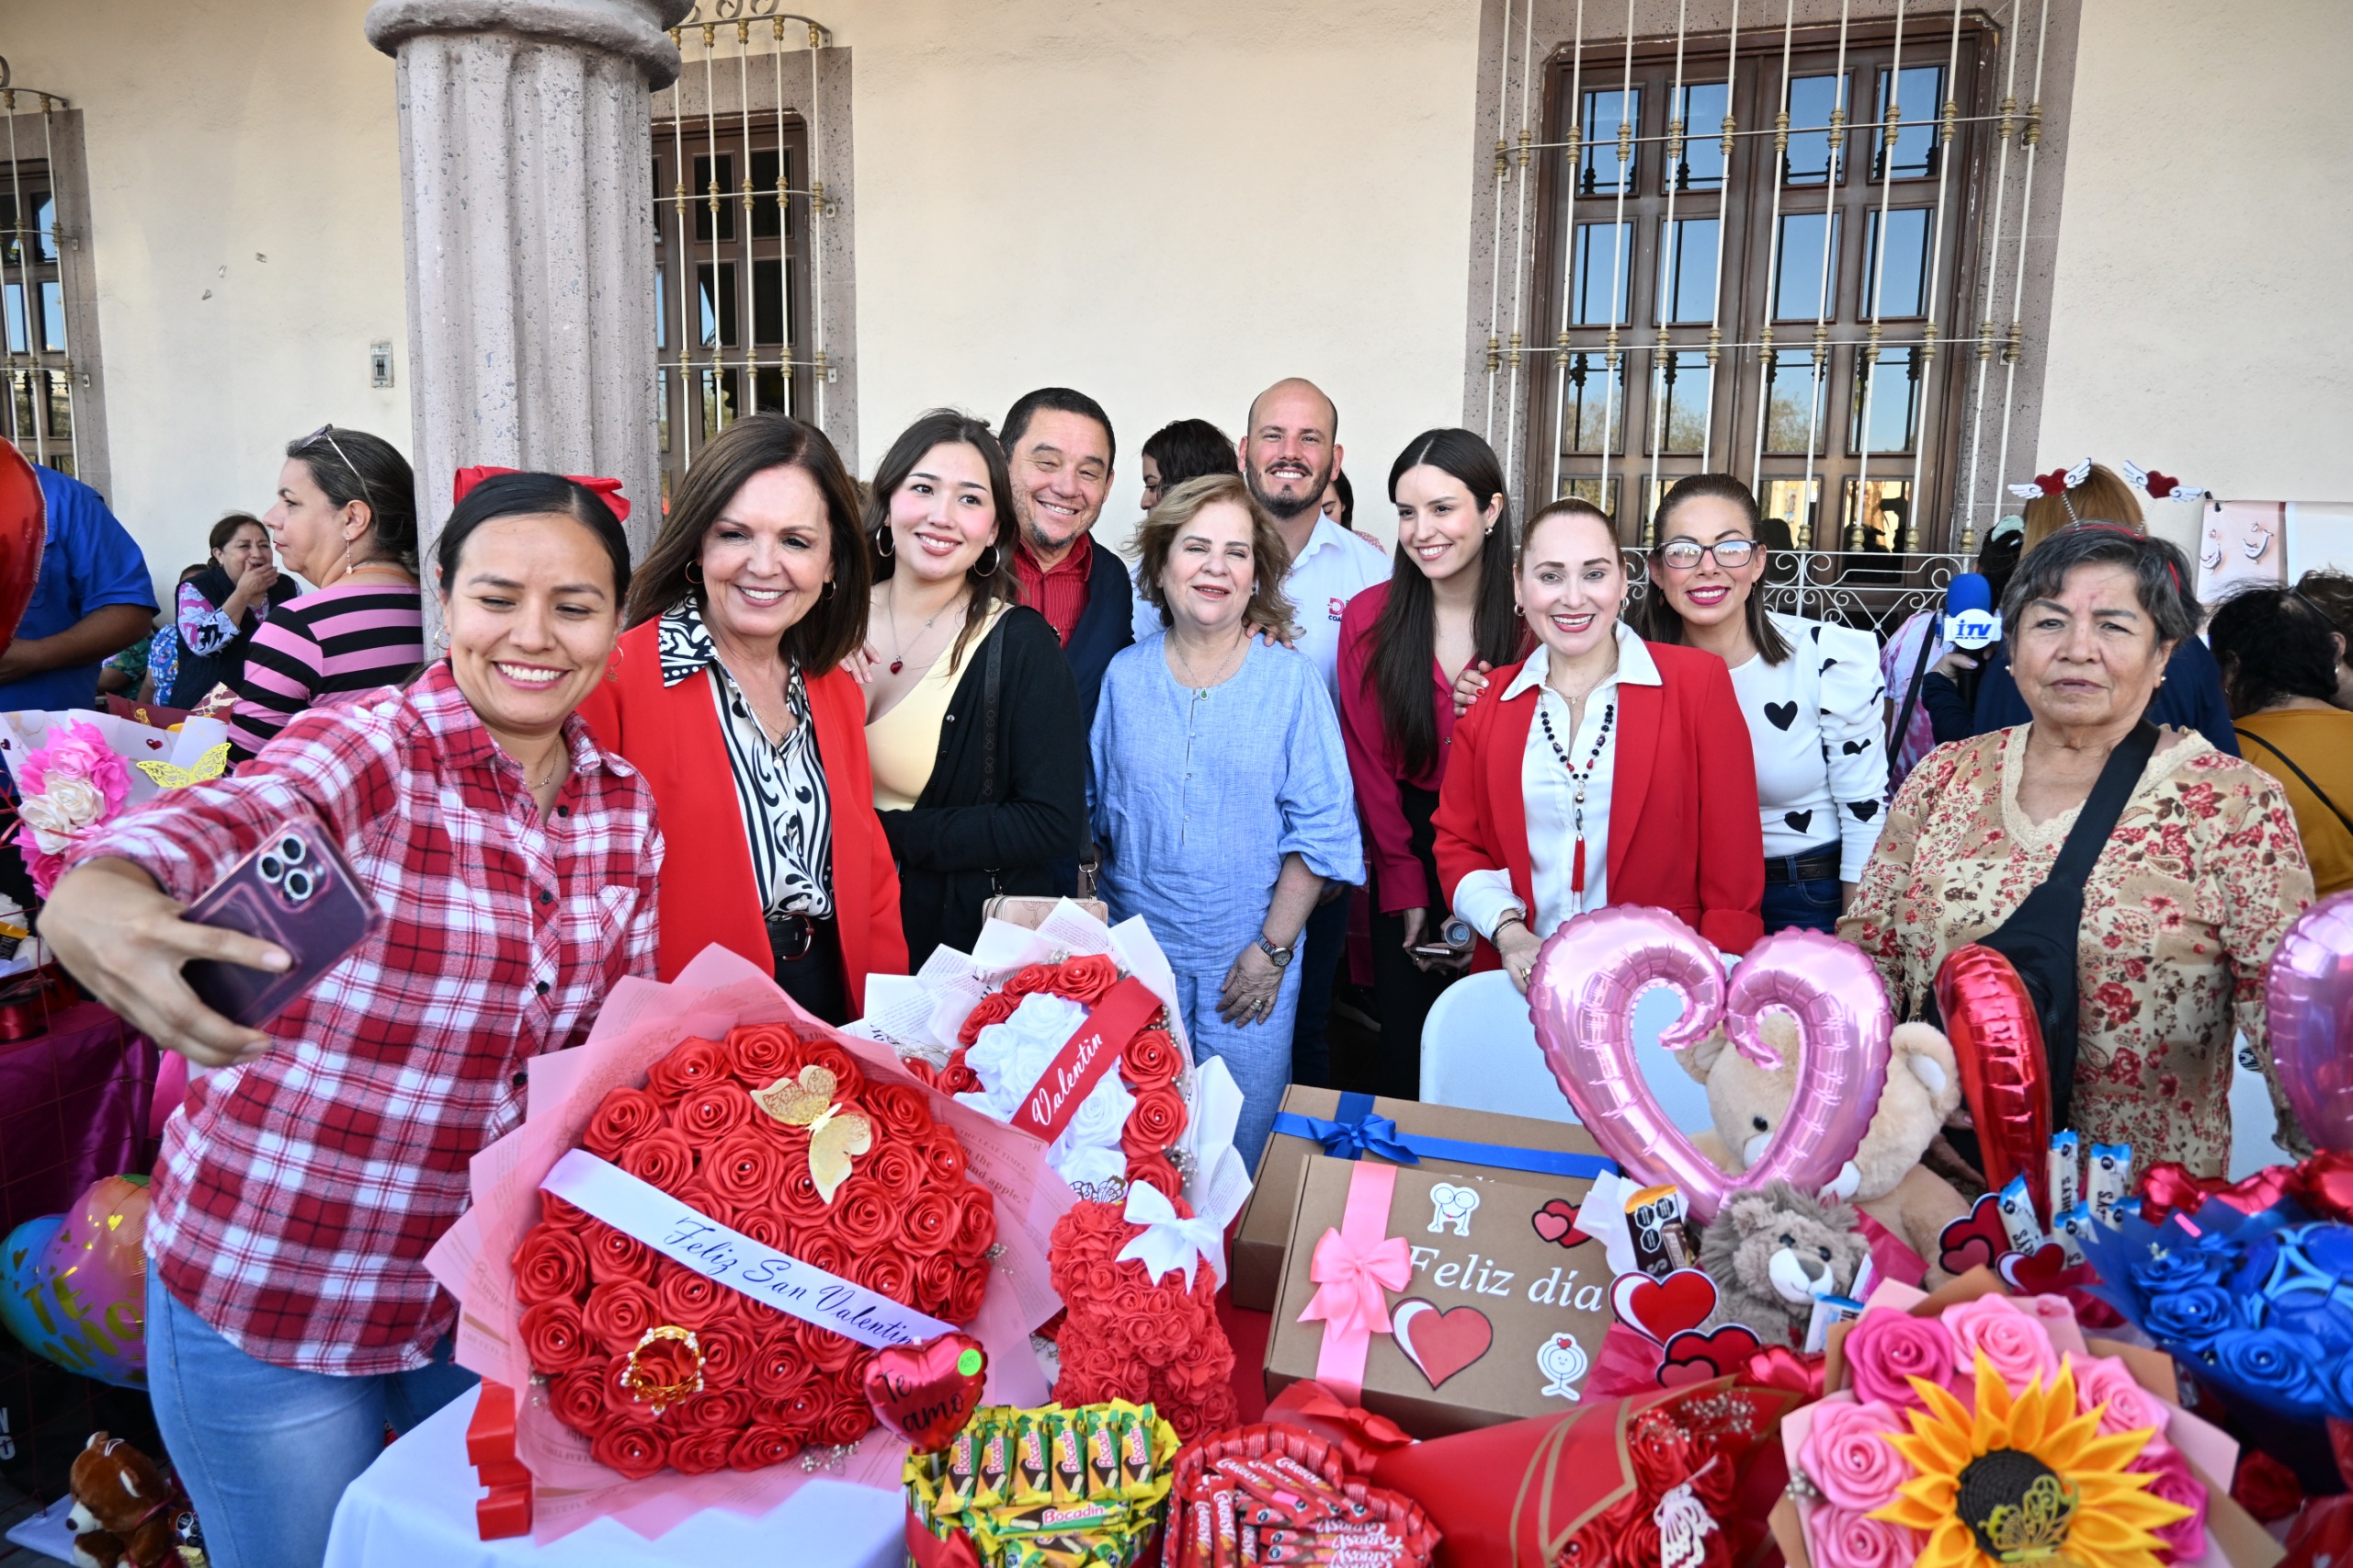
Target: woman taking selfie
column 1809, row 690
column 216, row 613
column 346, row 523
column 1602, row 770
column 1446, row 605
column 290, row 1315
column 972, row 722
column 728, row 694
column 1221, row 787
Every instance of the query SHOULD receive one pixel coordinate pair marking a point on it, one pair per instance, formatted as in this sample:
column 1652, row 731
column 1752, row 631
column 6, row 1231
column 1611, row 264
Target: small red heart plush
column 1694, row 1357
column 1441, row 1343
column 1557, row 1222
column 155, row 745
column 927, row 1393
column 1662, row 1309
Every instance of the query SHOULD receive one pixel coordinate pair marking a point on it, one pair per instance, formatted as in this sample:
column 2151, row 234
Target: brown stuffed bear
column 122, row 1507
column 1885, row 1179
column 1773, row 1253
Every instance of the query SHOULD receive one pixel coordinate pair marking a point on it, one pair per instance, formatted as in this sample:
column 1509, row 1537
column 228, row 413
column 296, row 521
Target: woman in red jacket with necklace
column 1603, row 769
column 728, row 695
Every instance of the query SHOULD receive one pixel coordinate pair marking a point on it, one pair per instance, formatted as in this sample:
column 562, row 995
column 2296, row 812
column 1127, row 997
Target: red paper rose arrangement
column 1128, row 1337
column 658, row 1365
column 1129, row 1125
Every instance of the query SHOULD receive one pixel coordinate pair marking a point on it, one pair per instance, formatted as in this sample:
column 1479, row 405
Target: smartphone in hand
column 297, row 891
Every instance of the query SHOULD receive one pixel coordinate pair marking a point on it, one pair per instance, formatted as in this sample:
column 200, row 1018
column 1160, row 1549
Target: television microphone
column 1970, row 621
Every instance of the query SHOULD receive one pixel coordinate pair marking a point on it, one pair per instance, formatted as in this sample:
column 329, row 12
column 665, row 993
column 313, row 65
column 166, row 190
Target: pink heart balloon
column 2308, row 995
column 1581, row 995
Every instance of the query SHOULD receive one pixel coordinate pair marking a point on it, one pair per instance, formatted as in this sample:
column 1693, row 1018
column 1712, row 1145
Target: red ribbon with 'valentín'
column 1089, row 1053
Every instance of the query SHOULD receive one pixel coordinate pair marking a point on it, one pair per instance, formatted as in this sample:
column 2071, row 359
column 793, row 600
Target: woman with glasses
column 1810, row 689
column 346, row 523
column 1602, row 769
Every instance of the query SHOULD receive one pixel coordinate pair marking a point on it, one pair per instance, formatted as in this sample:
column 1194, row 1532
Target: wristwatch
column 1278, row 956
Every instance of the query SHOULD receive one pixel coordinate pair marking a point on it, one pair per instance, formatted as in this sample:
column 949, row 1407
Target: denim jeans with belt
column 266, row 1451
column 1809, row 904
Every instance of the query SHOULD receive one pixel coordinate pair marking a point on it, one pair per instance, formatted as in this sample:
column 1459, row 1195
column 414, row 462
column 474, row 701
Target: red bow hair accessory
column 608, row 490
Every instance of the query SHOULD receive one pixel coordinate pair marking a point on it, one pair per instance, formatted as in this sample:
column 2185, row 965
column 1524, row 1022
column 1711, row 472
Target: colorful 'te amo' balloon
column 2308, row 992
column 1581, row 995
column 73, row 1286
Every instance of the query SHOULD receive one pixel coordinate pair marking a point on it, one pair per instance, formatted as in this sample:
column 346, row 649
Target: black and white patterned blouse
column 780, row 785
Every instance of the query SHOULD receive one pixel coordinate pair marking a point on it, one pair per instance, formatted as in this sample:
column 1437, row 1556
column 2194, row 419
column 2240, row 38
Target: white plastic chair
column 1479, row 1051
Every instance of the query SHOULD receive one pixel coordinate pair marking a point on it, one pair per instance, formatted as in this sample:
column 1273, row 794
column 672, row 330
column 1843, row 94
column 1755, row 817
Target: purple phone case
column 297, row 891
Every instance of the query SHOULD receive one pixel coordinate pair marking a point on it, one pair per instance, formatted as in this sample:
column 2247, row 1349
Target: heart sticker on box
column 1557, row 1224
column 1441, row 1343
column 1661, row 1309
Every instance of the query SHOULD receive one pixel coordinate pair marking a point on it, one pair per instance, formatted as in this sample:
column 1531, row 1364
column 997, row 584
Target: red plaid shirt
column 1057, row 592
column 297, row 1197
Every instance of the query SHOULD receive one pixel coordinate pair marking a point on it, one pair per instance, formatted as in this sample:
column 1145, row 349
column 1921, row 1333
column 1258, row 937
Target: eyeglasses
column 327, row 432
column 1682, row 554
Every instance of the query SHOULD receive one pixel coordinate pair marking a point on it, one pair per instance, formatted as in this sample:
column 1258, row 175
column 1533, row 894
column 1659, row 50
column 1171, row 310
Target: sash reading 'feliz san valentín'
column 771, row 1278
column 1089, row 1053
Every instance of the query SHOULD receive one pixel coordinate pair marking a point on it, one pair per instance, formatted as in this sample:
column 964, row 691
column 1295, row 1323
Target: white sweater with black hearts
column 1816, row 724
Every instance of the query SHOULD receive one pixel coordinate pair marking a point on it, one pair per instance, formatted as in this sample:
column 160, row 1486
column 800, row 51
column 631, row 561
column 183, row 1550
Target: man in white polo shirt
column 1290, row 449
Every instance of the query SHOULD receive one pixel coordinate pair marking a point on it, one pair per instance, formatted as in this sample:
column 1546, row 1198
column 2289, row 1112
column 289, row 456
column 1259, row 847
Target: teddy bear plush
column 1885, row 1179
column 1773, row 1253
column 123, row 1509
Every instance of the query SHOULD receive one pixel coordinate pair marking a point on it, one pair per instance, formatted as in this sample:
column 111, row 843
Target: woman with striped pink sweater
column 345, row 522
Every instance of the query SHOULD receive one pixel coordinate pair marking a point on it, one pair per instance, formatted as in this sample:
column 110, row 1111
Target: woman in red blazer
column 728, row 695
column 1603, row 769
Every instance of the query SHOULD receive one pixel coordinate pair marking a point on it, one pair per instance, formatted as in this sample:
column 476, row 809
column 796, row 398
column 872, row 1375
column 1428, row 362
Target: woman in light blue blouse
column 1221, row 799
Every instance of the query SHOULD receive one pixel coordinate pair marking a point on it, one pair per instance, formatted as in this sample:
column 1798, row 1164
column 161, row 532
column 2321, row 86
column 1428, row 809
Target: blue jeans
column 1810, row 905
column 266, row 1451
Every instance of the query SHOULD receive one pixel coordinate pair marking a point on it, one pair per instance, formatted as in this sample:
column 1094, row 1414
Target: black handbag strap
column 2318, row 793
column 2042, row 936
column 992, row 682
column 1911, row 697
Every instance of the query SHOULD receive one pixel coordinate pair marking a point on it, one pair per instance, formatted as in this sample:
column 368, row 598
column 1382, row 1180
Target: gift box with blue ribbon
column 1350, row 1125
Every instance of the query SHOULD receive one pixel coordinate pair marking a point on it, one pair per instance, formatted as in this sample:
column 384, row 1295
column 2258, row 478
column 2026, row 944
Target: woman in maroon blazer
column 1603, row 769
column 728, row 695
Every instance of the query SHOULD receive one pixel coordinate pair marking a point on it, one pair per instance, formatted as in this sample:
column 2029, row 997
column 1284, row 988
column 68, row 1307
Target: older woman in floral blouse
column 2193, row 888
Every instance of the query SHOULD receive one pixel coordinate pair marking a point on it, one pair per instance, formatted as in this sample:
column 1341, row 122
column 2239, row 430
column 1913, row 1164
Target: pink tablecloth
column 74, row 1106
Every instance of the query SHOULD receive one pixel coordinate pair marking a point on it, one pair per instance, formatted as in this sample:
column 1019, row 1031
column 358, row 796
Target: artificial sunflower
column 2024, row 1480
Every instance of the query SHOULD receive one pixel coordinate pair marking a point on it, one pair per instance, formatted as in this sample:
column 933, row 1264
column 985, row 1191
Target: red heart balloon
column 2325, row 1185
column 23, row 531
column 2169, row 1187
column 1998, row 1041
column 927, row 1393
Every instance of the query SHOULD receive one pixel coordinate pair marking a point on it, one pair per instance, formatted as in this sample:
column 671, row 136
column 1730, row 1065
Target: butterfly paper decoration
column 2058, row 481
column 212, row 764
column 835, row 1135
column 2161, row 486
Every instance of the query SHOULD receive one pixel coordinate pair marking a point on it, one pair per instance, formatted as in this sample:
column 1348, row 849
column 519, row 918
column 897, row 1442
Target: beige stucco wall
column 2201, row 310
column 1167, row 207
column 220, row 132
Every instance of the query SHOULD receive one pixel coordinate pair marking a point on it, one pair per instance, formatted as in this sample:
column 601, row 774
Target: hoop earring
column 995, row 558
column 694, row 573
column 883, row 544
column 827, row 592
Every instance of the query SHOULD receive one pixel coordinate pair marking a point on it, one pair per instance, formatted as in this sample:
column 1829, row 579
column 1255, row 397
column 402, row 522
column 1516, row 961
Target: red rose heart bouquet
column 716, row 1213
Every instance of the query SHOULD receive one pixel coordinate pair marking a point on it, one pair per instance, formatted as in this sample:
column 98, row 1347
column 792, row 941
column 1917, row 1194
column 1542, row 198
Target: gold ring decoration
column 645, row 1385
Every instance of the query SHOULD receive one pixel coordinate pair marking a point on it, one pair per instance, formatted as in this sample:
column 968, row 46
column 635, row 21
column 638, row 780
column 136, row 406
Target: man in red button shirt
column 1059, row 445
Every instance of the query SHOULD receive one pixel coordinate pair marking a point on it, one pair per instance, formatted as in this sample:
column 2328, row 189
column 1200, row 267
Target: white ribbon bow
column 1169, row 1242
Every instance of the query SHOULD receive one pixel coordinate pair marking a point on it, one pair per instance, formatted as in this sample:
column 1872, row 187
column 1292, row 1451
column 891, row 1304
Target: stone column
column 527, row 181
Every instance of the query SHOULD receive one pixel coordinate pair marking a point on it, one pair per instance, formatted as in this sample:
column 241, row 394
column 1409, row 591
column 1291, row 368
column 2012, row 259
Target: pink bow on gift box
column 1353, row 1262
